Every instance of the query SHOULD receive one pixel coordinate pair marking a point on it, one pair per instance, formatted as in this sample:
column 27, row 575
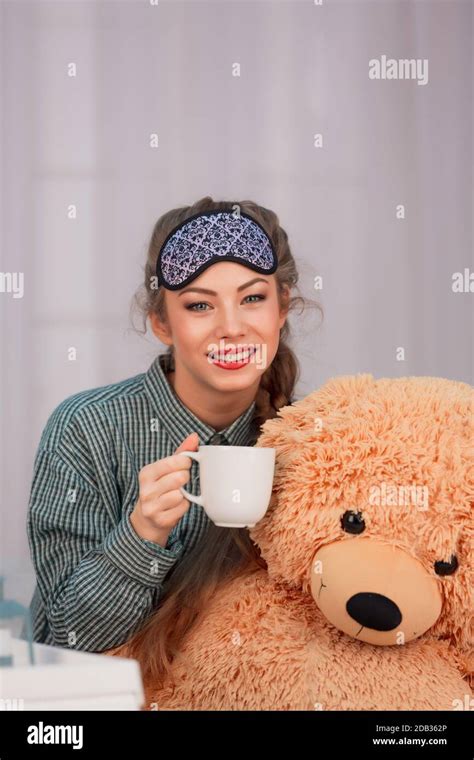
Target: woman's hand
column 160, row 503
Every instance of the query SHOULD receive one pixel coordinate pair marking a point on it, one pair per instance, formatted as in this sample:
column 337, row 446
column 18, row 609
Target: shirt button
column 217, row 440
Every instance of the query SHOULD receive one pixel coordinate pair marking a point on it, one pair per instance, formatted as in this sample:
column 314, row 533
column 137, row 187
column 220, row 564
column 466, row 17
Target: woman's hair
column 221, row 553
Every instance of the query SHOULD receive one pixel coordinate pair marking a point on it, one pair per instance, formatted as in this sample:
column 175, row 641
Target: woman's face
column 229, row 309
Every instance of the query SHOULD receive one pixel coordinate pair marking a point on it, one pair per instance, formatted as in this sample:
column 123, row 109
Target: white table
column 63, row 679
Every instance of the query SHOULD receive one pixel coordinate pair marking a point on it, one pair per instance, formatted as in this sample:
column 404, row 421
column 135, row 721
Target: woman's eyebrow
column 213, row 293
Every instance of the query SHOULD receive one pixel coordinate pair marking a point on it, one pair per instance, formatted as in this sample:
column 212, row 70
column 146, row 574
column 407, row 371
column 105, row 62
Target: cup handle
column 197, row 456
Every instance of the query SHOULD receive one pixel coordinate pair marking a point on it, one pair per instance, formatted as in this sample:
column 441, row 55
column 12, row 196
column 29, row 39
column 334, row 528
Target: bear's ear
column 303, row 419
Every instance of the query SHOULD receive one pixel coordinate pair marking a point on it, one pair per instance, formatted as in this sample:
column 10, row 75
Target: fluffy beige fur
column 263, row 643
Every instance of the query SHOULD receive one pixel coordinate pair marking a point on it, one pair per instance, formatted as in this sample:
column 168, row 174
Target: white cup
column 236, row 483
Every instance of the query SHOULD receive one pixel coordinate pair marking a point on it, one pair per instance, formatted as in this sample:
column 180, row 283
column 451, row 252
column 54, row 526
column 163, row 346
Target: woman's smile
column 232, row 359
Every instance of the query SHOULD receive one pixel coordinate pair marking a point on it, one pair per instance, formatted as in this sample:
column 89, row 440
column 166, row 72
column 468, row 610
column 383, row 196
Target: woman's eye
column 193, row 306
column 198, row 303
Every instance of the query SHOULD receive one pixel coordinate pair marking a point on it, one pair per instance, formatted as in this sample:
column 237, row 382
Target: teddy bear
column 366, row 600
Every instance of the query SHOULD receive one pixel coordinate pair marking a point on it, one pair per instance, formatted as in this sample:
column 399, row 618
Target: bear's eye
column 352, row 522
column 446, row 568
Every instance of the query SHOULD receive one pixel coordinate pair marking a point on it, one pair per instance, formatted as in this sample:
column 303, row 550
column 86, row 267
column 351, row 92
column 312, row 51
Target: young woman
column 118, row 551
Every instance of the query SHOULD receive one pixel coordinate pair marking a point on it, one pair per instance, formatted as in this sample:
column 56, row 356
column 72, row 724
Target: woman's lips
column 236, row 360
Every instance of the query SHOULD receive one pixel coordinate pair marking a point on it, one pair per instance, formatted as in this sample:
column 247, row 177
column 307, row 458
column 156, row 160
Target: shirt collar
column 179, row 421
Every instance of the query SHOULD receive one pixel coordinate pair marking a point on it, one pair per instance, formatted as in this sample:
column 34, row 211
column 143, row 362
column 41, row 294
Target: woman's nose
column 231, row 325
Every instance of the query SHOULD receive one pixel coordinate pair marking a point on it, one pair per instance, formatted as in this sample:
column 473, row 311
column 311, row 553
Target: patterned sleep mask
column 204, row 239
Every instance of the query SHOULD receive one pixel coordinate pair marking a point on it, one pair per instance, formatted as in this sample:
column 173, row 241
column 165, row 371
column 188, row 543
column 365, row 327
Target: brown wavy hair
column 221, row 553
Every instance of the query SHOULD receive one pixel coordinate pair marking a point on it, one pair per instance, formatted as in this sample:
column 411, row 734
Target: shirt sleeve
column 98, row 580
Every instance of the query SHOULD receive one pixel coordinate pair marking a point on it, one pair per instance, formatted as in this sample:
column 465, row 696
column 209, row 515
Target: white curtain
column 167, row 69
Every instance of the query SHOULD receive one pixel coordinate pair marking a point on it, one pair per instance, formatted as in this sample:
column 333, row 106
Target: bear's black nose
column 374, row 611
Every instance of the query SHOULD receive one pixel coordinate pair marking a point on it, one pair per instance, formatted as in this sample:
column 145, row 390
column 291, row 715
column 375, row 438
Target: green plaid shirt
column 97, row 580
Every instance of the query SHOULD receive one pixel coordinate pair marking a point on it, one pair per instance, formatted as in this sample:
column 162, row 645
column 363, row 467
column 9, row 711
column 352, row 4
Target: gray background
column 168, row 69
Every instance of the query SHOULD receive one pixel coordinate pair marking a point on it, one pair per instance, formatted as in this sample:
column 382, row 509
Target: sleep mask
column 209, row 237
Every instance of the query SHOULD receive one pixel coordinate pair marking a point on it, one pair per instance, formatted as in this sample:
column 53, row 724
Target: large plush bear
column 367, row 600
